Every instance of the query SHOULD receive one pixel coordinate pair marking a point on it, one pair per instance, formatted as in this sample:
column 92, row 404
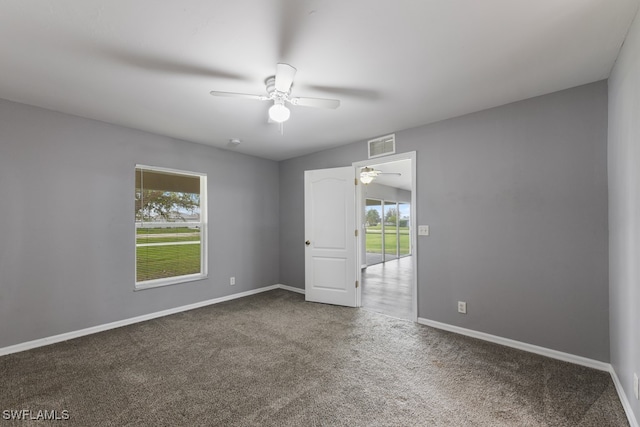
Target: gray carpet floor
column 274, row 360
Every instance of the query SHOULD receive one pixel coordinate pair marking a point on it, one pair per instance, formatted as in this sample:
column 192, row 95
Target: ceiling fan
column 367, row 174
column 278, row 89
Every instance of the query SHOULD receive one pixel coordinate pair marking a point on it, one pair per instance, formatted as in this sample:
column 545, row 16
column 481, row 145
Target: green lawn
column 165, row 230
column 387, row 229
column 374, row 240
column 158, row 238
column 156, row 262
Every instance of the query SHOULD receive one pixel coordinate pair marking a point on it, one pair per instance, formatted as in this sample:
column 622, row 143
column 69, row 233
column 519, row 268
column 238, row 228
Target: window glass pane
column 404, row 223
column 373, row 231
column 169, row 227
column 167, row 252
column 167, row 197
column 390, row 230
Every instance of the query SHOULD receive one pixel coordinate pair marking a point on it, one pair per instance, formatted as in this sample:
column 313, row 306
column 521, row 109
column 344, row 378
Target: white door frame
column 411, row 155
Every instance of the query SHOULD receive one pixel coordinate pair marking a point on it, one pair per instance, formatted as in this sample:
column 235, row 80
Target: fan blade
column 239, row 95
column 341, row 92
column 284, row 77
column 316, row 102
column 158, row 64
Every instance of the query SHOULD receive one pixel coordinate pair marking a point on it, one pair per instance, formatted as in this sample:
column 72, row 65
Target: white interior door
column 330, row 232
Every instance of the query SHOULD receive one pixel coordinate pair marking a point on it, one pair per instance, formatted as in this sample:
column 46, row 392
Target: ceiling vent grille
column 382, row 146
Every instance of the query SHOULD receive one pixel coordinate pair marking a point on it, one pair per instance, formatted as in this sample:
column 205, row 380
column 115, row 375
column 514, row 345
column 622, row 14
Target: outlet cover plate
column 462, row 307
column 423, row 230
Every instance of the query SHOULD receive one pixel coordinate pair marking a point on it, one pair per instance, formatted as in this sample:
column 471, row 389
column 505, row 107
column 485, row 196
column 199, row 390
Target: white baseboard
column 95, row 329
column 290, row 288
column 633, row 422
column 543, row 351
column 554, row 354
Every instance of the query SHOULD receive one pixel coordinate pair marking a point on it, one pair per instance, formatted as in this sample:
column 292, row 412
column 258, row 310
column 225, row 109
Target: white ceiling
column 150, row 64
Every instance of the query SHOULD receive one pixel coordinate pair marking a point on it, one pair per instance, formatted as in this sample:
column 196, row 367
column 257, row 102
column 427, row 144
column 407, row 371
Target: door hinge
column 355, row 181
column 356, row 232
column 357, row 284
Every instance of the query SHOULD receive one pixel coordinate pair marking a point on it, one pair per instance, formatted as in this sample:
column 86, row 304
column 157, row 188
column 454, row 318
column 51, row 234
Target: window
column 171, row 226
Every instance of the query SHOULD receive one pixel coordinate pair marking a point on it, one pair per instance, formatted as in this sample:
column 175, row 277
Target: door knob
column 307, row 243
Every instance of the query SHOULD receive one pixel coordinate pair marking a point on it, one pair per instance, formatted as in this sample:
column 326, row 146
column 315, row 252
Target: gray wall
column 624, row 213
column 67, row 203
column 516, row 197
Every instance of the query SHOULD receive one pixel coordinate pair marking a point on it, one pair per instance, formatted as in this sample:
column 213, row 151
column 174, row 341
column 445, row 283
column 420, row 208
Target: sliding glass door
column 387, row 225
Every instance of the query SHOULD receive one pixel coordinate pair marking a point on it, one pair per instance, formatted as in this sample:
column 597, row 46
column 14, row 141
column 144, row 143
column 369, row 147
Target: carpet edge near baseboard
column 543, row 351
column 554, row 354
column 41, row 342
column 290, row 288
column 531, row 348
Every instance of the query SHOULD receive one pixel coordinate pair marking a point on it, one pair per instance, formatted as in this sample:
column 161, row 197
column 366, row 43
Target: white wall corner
column 633, row 421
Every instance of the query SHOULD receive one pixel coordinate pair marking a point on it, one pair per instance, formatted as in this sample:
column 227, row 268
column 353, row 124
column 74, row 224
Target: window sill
column 158, row 283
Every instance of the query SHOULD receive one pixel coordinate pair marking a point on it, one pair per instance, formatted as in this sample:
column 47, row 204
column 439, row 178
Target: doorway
column 335, row 255
column 387, row 247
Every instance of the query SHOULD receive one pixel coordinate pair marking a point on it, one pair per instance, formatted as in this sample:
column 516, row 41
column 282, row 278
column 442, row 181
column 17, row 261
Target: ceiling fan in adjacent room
column 278, row 90
column 367, row 174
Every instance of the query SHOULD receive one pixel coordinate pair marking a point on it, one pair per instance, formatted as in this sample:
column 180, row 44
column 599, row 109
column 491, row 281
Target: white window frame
column 203, row 224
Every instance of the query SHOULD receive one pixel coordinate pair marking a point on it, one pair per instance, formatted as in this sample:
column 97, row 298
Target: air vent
column 382, row 146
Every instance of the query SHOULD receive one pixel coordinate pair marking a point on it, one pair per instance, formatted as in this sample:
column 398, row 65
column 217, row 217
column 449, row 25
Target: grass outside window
column 374, row 239
column 167, row 260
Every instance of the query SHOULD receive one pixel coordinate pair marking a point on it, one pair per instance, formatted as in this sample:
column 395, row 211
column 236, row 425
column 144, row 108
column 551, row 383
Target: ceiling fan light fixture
column 367, row 175
column 366, row 179
column 279, row 113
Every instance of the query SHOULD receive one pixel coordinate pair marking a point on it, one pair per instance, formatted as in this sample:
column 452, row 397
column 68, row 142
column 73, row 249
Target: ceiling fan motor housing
column 271, row 85
column 275, row 94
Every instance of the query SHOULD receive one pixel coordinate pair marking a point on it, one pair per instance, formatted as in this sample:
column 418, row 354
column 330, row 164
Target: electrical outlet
column 636, row 387
column 423, row 230
column 462, row 307
column 232, row 281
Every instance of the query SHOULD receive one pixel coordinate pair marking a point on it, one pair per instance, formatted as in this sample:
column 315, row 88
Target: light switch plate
column 423, row 230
